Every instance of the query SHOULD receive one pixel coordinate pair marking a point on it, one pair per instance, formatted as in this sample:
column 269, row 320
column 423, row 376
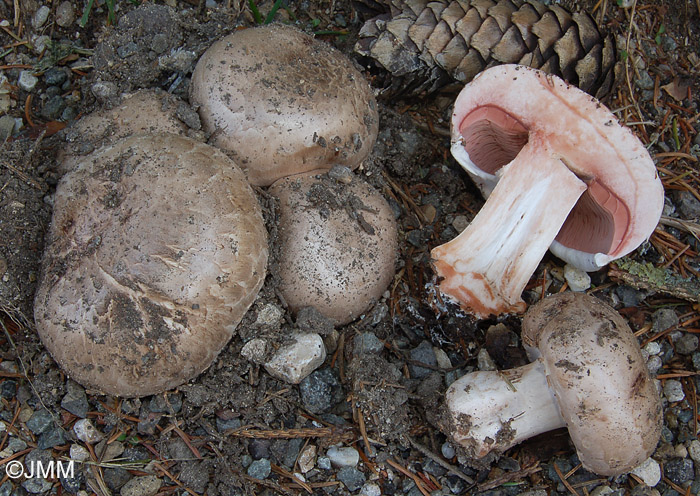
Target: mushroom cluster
column 559, row 172
column 587, row 373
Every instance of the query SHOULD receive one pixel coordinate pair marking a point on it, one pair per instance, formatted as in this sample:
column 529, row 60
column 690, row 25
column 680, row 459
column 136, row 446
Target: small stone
column 578, row 279
column 269, row 315
column 127, row 50
column 307, row 458
column 86, row 432
column 629, row 296
column 159, row 43
column 694, row 450
column 7, row 128
column 644, row 81
column 602, row 491
column 673, row 391
column 484, row 361
column 195, row 476
column 415, row 237
column 663, row 319
column 103, row 90
column 653, row 348
column 40, row 16
column 65, row 14
column 50, row 438
column 688, row 205
column 366, row 342
column 654, row 364
column 649, row 471
column 447, row 450
column 147, row 485
column 75, row 401
column 686, row 344
column 53, row 108
column 259, row 448
column 316, row 390
column 371, row 489
column 55, row 76
column 78, row 453
column 351, row 477
column 27, row 81
column 40, row 421
column 40, row 43
column 223, row 425
column 423, row 353
column 165, row 403
column 294, row 362
column 116, row 477
column 679, row 470
column 260, row 469
column 255, row 350
column 460, row 223
column 188, row 115
column 36, row 485
column 324, row 463
column 343, row 456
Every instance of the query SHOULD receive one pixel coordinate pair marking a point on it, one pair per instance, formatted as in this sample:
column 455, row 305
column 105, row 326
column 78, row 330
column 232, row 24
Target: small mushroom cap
column 283, row 103
column 156, row 250
column 142, row 112
column 596, row 370
column 338, row 245
column 492, row 122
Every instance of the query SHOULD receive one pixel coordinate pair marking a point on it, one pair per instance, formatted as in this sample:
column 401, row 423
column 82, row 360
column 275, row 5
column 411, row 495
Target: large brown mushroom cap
column 156, row 250
column 595, row 368
column 283, row 103
column 338, row 245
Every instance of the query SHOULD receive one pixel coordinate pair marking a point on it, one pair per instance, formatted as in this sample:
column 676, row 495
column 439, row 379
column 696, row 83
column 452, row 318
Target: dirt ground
column 212, row 434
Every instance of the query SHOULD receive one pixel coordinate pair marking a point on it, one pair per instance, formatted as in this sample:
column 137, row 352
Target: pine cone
column 425, row 45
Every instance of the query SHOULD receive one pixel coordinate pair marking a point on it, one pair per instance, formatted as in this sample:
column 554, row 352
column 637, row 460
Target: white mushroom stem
column 488, row 265
column 492, row 411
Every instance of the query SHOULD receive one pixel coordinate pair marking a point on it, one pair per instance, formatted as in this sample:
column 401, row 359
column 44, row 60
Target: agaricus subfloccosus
column 156, row 250
column 559, row 172
column 283, row 103
column 587, row 374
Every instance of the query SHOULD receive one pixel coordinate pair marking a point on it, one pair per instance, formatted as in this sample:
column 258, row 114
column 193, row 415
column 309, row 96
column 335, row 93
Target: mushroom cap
column 283, row 103
column 142, row 112
column 506, row 106
column 596, row 370
column 338, row 245
column 156, row 250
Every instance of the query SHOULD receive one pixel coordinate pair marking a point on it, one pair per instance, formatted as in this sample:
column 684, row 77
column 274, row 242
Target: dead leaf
column 678, row 89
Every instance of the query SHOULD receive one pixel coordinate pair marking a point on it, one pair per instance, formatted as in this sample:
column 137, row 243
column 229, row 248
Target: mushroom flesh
column 587, row 374
column 156, row 250
column 559, row 172
column 338, row 244
column 283, row 103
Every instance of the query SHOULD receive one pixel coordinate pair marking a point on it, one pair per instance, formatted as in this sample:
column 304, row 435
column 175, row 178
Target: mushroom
column 587, row 374
column 142, row 112
column 337, row 242
column 559, row 171
column 156, row 249
column 283, row 103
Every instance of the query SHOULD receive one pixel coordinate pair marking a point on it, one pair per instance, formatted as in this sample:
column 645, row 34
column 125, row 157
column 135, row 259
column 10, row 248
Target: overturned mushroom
column 338, row 244
column 559, row 172
column 588, row 374
column 283, row 103
column 156, row 249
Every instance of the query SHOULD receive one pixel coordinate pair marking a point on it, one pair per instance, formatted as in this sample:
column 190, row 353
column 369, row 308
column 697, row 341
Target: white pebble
column 448, row 451
column 460, row 223
column 65, row 14
column 41, row 16
column 443, row 360
column 292, row 363
column 653, row 348
column 649, row 471
column 484, row 360
column 79, row 453
column 27, row 81
column 578, row 279
column 371, row 489
column 86, row 432
column 307, row 459
column 694, row 450
column 343, row 456
column 255, row 350
column 680, row 451
column 673, row 390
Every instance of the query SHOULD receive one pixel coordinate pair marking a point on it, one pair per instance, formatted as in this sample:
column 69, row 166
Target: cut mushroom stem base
column 487, row 267
column 492, row 411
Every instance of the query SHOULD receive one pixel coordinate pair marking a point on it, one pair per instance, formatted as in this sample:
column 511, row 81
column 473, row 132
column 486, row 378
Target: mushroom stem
column 487, row 266
column 493, row 411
